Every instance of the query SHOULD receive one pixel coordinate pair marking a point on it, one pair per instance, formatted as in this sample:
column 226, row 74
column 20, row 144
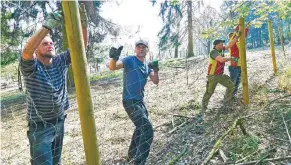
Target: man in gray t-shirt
column 45, row 80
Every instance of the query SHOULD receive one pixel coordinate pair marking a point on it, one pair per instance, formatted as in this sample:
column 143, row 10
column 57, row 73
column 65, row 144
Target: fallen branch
column 240, row 123
column 264, row 157
column 273, row 137
column 218, row 143
column 286, row 128
column 285, row 121
column 173, row 122
column 222, row 155
column 188, row 117
column 266, row 160
column 244, row 158
column 175, row 160
column 264, row 107
column 179, row 126
column 164, row 123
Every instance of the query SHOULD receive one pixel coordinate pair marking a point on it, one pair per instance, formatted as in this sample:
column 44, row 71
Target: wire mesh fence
column 179, row 136
column 172, row 106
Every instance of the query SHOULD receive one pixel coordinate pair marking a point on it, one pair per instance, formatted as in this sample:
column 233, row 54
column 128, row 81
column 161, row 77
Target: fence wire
column 179, row 93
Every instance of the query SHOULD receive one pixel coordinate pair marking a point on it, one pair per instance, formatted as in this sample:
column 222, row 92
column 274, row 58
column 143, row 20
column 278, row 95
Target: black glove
column 115, row 53
column 154, row 65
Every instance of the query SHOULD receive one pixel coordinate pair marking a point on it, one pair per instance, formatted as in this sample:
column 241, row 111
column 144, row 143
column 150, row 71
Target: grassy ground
column 178, row 93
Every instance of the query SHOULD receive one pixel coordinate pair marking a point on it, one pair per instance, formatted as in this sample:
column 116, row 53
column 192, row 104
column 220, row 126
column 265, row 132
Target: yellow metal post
column 242, row 54
column 70, row 80
column 272, row 46
column 79, row 65
column 281, row 39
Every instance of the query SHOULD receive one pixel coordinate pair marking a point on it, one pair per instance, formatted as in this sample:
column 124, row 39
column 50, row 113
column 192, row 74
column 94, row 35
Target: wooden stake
column 242, row 54
column 281, row 39
column 79, row 65
column 272, row 46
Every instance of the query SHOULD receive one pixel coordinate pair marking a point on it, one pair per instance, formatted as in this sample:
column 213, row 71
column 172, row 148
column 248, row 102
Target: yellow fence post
column 242, row 54
column 272, row 46
column 79, row 65
column 281, row 39
column 70, row 80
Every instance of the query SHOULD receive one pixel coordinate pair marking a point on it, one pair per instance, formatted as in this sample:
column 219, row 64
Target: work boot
column 228, row 105
column 200, row 115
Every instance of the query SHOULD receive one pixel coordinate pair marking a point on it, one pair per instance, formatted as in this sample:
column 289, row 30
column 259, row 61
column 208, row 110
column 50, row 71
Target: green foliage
column 99, row 60
column 11, row 98
column 8, row 57
column 10, row 36
column 105, row 75
column 208, row 33
column 178, row 157
column 20, row 18
column 257, row 13
column 177, row 62
column 97, row 53
column 243, row 146
column 10, row 70
column 16, row 26
column 284, row 80
column 174, row 2
column 171, row 16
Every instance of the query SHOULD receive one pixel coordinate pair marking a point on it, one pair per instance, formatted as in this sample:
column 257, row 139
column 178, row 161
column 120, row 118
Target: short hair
column 230, row 34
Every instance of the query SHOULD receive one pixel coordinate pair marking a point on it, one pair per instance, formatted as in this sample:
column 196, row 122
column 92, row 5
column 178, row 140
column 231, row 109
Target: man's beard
column 142, row 54
column 47, row 55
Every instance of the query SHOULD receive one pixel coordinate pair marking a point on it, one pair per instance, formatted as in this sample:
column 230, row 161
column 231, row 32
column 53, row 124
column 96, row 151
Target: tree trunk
column 177, row 41
column 190, row 30
column 92, row 13
column 208, row 46
column 260, row 42
column 97, row 65
column 176, row 51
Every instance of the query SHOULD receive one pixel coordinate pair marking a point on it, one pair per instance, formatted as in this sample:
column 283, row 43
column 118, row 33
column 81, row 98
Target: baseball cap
column 215, row 42
column 141, row 42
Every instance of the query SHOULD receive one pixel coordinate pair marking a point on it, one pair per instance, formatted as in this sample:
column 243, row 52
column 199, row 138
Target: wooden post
column 272, row 46
column 281, row 39
column 242, row 54
column 190, row 30
column 186, row 66
column 79, row 65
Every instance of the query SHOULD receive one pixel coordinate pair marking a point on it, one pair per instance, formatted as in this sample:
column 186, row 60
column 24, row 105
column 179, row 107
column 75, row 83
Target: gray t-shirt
column 46, row 91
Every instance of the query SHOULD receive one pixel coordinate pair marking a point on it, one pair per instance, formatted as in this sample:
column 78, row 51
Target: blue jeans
column 143, row 134
column 46, row 141
column 235, row 76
